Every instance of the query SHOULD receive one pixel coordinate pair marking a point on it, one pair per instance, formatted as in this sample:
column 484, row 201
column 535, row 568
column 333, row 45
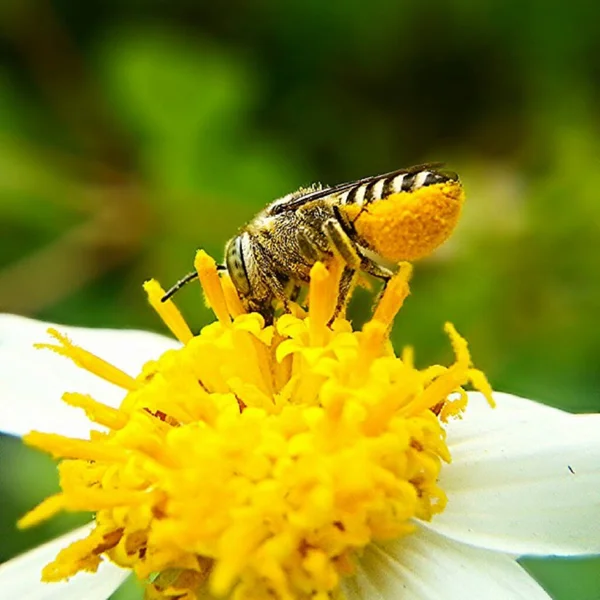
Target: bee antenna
column 175, row 288
column 185, row 280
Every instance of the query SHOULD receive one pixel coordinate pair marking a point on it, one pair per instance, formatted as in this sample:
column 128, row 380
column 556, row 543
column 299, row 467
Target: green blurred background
column 133, row 132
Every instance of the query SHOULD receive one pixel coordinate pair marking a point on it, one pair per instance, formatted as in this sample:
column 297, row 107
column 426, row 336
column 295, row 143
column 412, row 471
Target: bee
column 402, row 215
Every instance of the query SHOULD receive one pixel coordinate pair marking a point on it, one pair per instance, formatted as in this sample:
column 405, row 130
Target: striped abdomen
column 381, row 188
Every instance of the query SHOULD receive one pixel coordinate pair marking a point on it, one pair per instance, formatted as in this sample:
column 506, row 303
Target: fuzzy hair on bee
column 368, row 223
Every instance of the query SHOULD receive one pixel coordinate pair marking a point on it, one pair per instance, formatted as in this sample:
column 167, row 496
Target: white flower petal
column 524, row 479
column 427, row 566
column 20, row 577
column 32, row 381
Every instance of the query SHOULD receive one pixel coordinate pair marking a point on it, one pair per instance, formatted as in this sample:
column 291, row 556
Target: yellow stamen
column 88, row 361
column 61, row 446
column 408, row 356
column 96, row 411
column 97, row 500
column 167, row 311
column 47, row 509
column 232, row 299
column 211, row 284
column 371, row 344
column 441, row 388
column 461, row 350
column 459, row 345
column 481, row 383
column 259, row 461
column 83, row 555
column 82, row 500
column 448, row 380
column 322, row 299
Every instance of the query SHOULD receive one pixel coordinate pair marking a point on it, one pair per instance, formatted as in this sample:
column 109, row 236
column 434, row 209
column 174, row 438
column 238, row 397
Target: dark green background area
column 134, row 132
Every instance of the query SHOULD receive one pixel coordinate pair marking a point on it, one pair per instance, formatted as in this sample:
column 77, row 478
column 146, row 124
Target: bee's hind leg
column 342, row 244
column 355, row 260
column 349, row 252
column 346, row 285
column 316, row 244
column 376, row 270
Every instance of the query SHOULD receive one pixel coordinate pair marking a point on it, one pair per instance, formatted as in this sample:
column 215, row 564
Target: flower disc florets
column 257, row 461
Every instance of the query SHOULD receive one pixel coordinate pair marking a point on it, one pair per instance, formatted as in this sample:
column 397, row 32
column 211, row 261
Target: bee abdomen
column 381, row 188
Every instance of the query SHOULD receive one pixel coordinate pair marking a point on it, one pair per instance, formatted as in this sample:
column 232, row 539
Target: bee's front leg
column 266, row 282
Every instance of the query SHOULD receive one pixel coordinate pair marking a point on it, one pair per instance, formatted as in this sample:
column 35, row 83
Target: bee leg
column 313, row 243
column 351, row 255
column 346, row 285
column 355, row 260
column 342, row 244
column 268, row 273
column 372, row 268
column 294, row 292
column 263, row 308
column 309, row 247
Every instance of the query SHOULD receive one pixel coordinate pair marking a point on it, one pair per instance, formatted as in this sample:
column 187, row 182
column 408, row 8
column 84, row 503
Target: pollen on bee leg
column 211, row 284
column 167, row 311
column 88, row 361
column 394, row 295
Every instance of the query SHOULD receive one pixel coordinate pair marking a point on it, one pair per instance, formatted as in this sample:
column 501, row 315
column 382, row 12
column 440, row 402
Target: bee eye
column 234, row 259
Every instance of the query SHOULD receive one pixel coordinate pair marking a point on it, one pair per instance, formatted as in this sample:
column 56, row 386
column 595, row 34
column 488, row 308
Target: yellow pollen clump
column 257, row 461
column 409, row 225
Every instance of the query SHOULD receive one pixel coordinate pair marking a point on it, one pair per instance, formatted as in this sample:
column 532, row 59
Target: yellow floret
column 257, row 461
column 409, row 225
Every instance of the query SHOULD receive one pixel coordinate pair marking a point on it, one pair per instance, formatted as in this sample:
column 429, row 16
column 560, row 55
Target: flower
column 299, row 460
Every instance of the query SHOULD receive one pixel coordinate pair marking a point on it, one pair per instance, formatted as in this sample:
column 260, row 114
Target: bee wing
column 299, row 201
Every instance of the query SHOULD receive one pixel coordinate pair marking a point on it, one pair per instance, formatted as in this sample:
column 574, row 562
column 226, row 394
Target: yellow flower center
column 257, row 461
